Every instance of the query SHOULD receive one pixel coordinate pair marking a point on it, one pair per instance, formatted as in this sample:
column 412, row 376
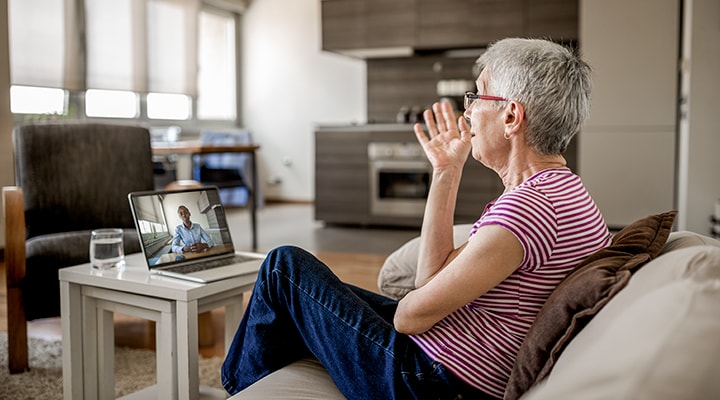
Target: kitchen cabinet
column 353, row 25
column 462, row 23
column 557, row 19
column 389, row 23
column 359, row 24
column 343, row 24
column 341, row 176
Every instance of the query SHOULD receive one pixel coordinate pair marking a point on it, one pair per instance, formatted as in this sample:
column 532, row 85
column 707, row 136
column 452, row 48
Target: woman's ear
column 514, row 115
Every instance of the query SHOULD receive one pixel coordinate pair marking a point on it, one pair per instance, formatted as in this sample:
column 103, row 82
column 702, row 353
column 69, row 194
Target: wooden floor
column 358, row 269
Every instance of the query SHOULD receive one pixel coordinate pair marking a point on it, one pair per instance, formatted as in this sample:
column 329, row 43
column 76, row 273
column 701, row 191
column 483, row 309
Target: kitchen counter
column 366, row 128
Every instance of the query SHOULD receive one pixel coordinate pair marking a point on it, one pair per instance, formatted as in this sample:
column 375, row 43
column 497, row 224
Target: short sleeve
column 531, row 217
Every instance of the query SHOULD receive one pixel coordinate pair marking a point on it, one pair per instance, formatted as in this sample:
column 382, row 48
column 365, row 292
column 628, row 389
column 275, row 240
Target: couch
column 644, row 324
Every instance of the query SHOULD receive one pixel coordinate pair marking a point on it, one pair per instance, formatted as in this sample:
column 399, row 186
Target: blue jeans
column 299, row 308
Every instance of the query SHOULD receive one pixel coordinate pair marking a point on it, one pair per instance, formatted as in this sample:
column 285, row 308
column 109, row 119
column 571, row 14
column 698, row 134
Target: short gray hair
column 550, row 80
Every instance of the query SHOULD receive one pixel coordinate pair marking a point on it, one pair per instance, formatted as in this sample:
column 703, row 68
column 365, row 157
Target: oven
column 399, row 179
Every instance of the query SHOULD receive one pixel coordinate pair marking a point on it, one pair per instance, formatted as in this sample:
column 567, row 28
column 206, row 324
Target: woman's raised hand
column 447, row 142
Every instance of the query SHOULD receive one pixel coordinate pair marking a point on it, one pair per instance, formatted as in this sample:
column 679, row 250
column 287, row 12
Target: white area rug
column 134, row 370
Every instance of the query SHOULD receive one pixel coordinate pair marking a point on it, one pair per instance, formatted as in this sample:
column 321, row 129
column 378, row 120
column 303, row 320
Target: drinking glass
column 106, row 248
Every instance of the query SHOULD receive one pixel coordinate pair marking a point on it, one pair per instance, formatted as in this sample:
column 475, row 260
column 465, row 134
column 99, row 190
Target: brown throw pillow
column 582, row 294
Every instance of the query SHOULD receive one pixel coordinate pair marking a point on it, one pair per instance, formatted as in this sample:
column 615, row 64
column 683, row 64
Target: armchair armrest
column 14, row 213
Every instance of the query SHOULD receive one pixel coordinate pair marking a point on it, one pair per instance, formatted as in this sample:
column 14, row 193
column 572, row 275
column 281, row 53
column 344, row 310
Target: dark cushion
column 76, row 176
column 582, row 294
column 45, row 255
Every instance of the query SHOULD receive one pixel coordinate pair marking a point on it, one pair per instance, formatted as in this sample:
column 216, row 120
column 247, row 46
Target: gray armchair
column 71, row 178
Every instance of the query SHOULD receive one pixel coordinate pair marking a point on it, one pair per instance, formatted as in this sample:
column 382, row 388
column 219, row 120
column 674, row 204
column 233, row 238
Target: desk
column 90, row 297
column 195, row 147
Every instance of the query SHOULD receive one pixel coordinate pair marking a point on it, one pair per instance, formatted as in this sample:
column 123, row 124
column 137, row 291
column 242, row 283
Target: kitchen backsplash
column 412, row 84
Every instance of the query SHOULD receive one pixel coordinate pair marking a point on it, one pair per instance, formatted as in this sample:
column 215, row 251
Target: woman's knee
column 287, row 258
column 288, row 249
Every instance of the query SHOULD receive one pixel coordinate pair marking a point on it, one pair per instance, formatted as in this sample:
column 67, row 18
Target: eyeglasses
column 470, row 98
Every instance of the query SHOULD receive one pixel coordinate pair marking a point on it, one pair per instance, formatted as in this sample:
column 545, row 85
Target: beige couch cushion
column 683, row 239
column 397, row 275
column 304, row 379
column 657, row 339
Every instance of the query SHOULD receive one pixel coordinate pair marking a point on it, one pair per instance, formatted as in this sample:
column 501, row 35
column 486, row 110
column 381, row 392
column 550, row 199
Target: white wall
column 289, row 85
column 699, row 150
column 627, row 147
column 631, row 156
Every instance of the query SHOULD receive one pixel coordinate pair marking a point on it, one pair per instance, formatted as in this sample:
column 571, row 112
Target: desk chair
column 229, row 172
column 71, row 178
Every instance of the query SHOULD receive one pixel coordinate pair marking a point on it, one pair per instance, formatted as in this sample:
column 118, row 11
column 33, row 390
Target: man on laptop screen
column 176, row 245
column 189, row 237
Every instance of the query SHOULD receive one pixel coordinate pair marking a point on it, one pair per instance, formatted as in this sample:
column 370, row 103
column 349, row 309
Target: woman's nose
column 466, row 115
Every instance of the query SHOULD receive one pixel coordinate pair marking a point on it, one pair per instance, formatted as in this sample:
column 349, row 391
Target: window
column 168, row 106
column 35, row 100
column 111, row 104
column 216, row 74
column 147, row 59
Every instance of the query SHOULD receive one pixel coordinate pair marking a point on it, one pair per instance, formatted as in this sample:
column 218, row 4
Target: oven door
column 399, row 188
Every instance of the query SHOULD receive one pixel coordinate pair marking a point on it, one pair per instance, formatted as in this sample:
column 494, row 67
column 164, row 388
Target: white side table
column 90, row 297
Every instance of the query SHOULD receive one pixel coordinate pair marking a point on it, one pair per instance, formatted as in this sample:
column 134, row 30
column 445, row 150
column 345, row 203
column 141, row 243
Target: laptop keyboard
column 202, row 266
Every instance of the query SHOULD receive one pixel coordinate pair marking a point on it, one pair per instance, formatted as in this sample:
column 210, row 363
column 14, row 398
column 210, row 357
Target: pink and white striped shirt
column 558, row 225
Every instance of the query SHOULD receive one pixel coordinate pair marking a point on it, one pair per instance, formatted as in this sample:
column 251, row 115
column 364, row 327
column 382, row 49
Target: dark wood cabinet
column 390, row 23
column 341, row 177
column 360, row 24
column 555, row 19
column 443, row 24
column 343, row 24
column 467, row 23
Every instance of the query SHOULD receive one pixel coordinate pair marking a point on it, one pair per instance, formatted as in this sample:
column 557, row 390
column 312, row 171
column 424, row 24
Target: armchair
column 71, row 178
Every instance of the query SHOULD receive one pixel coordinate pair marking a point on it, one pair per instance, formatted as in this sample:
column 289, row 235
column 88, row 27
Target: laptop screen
column 178, row 226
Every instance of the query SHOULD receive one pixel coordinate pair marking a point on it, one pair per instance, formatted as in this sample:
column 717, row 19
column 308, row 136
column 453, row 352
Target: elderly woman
column 457, row 334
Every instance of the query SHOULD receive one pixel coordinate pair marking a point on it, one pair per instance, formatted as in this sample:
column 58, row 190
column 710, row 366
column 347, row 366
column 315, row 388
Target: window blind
column 136, row 45
column 39, row 45
column 142, row 45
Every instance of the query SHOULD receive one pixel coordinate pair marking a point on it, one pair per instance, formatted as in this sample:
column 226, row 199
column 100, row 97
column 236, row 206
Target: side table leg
column 105, row 353
column 166, row 357
column 187, row 350
column 90, row 346
column 233, row 315
column 71, row 324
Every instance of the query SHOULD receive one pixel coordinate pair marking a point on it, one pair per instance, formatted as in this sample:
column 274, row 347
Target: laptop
column 205, row 253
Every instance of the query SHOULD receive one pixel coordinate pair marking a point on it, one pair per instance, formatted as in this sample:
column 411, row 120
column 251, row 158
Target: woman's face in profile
column 486, row 125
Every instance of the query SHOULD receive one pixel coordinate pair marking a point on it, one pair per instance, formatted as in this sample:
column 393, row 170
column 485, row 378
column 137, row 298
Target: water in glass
column 106, row 248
